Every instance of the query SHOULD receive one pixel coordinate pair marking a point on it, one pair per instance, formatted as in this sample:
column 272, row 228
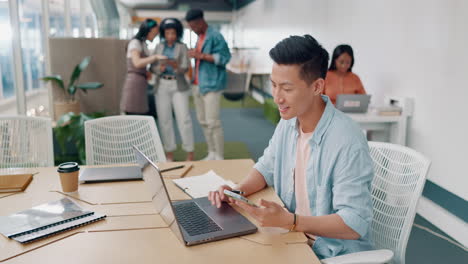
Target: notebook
column 45, row 220
column 14, row 182
column 200, row 186
column 107, row 174
column 193, row 221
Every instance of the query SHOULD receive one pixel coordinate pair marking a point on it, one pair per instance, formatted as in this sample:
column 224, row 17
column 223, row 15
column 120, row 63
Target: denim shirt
column 169, row 53
column 338, row 175
column 212, row 76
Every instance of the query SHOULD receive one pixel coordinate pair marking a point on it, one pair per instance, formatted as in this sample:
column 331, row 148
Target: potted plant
column 71, row 104
column 69, row 133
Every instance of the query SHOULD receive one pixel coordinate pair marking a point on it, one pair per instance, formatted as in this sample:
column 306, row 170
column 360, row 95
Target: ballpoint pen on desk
column 173, row 168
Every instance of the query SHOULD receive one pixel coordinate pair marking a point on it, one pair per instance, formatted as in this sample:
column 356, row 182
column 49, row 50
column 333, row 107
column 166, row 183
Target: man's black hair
column 194, row 14
column 304, row 51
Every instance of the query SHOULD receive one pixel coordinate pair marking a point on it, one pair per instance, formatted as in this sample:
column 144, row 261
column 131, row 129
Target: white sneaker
column 218, row 157
column 210, row 156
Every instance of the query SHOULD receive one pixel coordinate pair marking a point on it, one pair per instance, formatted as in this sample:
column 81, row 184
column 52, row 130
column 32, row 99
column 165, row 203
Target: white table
column 383, row 128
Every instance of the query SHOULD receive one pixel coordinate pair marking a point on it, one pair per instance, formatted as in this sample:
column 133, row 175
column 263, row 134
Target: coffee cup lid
column 68, row 167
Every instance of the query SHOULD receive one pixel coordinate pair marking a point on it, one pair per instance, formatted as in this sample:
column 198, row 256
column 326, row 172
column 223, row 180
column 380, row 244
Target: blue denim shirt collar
column 323, row 123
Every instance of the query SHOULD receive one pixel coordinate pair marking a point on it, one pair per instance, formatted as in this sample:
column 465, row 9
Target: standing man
column 317, row 161
column 211, row 56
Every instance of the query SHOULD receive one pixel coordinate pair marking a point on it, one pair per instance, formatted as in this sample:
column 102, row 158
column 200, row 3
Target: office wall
column 405, row 48
column 108, row 66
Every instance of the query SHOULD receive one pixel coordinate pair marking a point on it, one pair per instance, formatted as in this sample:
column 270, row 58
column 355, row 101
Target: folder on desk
column 14, row 182
column 45, row 220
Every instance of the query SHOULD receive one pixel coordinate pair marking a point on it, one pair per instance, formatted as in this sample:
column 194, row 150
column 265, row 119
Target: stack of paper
column 389, row 110
column 200, row 186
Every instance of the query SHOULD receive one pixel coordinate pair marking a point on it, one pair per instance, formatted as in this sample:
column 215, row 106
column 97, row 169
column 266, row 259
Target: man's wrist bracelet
column 294, row 223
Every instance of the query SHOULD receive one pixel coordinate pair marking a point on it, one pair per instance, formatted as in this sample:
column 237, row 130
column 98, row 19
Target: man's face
column 197, row 26
column 293, row 95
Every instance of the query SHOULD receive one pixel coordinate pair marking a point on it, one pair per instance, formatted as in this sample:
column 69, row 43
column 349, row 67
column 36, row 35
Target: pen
column 238, row 192
column 186, row 171
column 173, row 168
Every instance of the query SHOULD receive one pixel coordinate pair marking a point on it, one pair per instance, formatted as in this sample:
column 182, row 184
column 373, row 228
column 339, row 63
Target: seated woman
column 340, row 79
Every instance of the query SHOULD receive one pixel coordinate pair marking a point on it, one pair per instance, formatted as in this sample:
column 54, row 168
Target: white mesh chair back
column 25, row 142
column 400, row 173
column 109, row 140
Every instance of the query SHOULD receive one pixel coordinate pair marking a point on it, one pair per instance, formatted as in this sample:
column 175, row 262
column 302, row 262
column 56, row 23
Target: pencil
column 186, row 171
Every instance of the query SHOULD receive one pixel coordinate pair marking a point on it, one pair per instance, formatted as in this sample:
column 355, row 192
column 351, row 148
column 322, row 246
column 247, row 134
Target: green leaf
column 89, row 85
column 78, row 69
column 61, row 136
column 84, row 63
column 72, row 90
column 65, row 119
column 95, row 115
column 57, row 79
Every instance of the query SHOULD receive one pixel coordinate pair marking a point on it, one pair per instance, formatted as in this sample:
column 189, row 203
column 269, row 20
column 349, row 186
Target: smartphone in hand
column 239, row 197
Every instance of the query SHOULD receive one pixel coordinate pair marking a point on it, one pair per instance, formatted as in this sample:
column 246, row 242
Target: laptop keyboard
column 194, row 220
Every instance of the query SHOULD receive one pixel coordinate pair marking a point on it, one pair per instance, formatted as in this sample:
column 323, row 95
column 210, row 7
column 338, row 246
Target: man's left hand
column 269, row 214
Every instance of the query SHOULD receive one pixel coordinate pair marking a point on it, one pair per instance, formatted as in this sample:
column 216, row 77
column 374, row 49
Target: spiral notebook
column 45, row 220
column 200, row 186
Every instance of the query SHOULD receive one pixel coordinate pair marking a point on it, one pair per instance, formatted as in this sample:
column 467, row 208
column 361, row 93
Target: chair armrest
column 364, row 257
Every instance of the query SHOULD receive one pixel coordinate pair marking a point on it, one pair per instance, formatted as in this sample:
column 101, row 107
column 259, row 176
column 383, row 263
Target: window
column 7, row 89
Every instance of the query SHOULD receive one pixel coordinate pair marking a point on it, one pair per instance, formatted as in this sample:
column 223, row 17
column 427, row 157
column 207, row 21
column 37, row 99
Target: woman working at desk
column 340, row 78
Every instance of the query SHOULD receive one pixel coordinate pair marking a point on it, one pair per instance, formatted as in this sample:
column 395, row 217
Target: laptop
column 107, row 174
column 193, row 221
column 353, row 103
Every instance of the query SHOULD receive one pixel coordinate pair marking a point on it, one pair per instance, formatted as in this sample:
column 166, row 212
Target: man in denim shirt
column 317, row 161
column 211, row 56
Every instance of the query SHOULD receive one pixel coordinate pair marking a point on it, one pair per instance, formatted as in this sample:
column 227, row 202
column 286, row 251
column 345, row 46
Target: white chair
column 109, row 140
column 400, row 173
column 25, row 142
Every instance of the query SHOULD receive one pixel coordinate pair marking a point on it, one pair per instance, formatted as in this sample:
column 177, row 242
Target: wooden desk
column 134, row 233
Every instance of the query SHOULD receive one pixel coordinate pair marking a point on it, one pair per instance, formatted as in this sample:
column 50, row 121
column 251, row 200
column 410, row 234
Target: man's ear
column 318, row 86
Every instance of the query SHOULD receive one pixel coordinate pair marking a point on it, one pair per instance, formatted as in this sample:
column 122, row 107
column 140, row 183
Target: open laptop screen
column 159, row 195
column 353, row 103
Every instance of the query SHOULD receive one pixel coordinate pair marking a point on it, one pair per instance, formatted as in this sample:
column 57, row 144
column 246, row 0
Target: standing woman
column 172, row 89
column 340, row 78
column 134, row 99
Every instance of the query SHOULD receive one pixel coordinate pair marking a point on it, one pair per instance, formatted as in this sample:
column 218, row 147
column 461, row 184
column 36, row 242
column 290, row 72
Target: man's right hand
column 217, row 197
column 191, row 52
